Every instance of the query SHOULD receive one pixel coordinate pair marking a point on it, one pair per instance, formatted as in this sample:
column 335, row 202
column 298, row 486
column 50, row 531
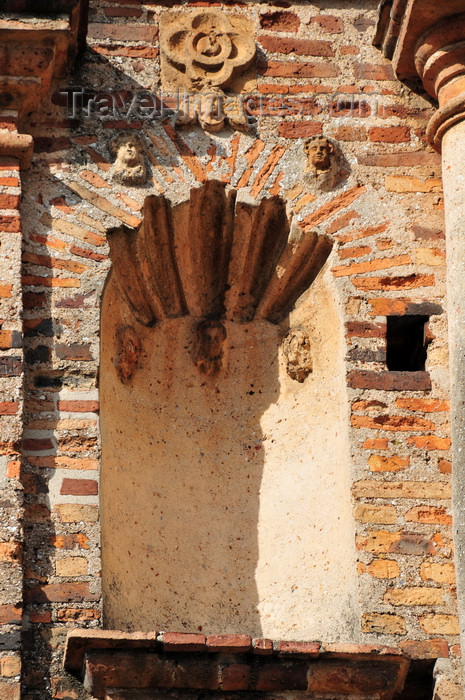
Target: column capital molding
column 426, row 39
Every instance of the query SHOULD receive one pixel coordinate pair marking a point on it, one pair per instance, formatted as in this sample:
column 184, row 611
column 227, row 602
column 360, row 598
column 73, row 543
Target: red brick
column 364, row 329
column 354, row 252
column 328, row 23
column 280, row 21
column 427, row 649
column 73, row 352
column 342, row 222
column 9, row 408
column 373, row 71
column 9, row 182
column 430, row 442
column 376, row 444
column 59, row 593
column 445, row 466
column 299, row 69
column 389, row 381
column 233, row 643
column 297, row 130
column 424, row 405
column 37, row 444
column 288, row 677
column 79, row 487
column 70, row 541
column 235, row 677
column 40, row 617
column 389, row 283
column 402, row 305
column 309, row 649
column 79, row 406
column 302, row 47
column 9, row 201
column 122, row 11
column 78, row 615
column 389, row 134
column 392, row 423
column 86, row 253
column 180, row 641
column 371, row 265
column 10, row 224
column 10, row 614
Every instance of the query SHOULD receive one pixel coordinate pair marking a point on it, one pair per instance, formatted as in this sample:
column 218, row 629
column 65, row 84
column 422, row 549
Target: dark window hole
column 406, row 343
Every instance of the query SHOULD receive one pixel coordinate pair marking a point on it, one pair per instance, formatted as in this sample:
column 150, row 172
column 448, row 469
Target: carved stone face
column 319, row 153
column 209, row 350
column 297, row 351
column 129, row 167
column 211, row 116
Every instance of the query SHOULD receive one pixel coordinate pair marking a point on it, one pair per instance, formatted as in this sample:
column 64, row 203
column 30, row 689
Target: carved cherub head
column 297, row 351
column 209, row 347
column 129, row 167
column 319, row 152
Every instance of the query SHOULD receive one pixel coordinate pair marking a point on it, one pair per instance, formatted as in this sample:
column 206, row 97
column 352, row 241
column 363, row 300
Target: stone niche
column 225, row 484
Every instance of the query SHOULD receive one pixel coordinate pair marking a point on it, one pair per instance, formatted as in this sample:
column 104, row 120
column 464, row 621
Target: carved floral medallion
column 205, row 49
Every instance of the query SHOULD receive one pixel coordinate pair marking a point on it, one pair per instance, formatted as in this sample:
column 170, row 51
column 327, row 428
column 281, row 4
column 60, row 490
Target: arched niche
column 225, row 484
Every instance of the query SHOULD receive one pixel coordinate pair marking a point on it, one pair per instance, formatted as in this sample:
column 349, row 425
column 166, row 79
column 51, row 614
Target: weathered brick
column 235, row 677
column 440, row 573
column 389, row 134
column 401, row 306
column 10, row 666
column 389, row 381
column 394, row 423
column 379, row 463
column 371, row 265
column 402, row 489
column 280, row 21
column 297, row 130
column 372, row 71
column 406, row 183
column 71, row 566
column 79, row 487
column 429, row 442
column 430, row 256
column 426, row 649
column 73, row 513
column 419, row 595
column 365, row 329
column 232, row 643
column 310, row 649
column 10, row 614
column 299, row 69
column 383, row 623
column 182, row 641
column 440, row 624
column 78, row 614
column 383, row 568
column 328, row 23
column 59, row 593
column 303, row 47
column 428, row 514
column 392, row 283
column 383, row 515
column 423, row 405
column 78, row 406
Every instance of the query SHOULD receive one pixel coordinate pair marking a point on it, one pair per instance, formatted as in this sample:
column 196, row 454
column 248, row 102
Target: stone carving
column 129, row 167
column 325, row 167
column 297, row 351
column 210, row 337
column 128, row 349
column 212, row 110
column 205, row 48
column 215, row 257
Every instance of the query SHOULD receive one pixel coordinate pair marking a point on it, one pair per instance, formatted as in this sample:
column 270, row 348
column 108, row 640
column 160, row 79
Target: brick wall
column 388, row 259
column 11, row 408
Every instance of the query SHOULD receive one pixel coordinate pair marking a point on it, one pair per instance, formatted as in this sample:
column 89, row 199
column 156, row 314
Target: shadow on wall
column 225, row 480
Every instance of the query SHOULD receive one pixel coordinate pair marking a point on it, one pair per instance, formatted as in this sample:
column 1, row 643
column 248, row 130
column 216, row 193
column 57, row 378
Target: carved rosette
column 215, row 259
column 206, row 48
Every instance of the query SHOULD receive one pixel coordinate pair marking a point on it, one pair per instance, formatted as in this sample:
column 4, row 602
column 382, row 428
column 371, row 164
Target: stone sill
column 109, row 662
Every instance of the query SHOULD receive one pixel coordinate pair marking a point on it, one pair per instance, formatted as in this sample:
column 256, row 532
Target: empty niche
column 225, row 461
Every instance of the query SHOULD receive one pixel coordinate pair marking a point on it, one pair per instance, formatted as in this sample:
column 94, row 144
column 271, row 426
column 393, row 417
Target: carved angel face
column 319, row 152
column 129, row 153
